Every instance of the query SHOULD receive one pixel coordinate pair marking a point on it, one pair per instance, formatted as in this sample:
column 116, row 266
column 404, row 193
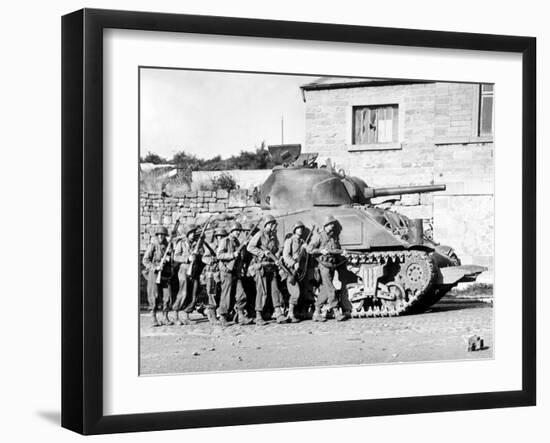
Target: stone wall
column 456, row 109
column 245, row 178
column 156, row 209
column 466, row 223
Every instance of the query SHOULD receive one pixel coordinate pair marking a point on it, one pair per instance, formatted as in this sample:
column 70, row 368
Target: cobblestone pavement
column 439, row 334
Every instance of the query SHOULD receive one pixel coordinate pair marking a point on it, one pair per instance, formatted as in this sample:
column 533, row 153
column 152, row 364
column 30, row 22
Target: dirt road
column 438, row 334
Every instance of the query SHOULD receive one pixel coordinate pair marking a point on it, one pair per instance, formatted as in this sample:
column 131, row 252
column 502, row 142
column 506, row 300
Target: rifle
column 279, row 262
column 214, row 259
column 210, row 248
column 241, row 247
column 248, row 237
column 194, row 270
column 300, row 273
column 337, row 251
column 173, row 234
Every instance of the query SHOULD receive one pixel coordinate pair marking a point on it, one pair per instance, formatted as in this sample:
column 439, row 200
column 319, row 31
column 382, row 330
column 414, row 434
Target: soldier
column 261, row 246
column 325, row 246
column 292, row 249
column 229, row 255
column 152, row 262
column 212, row 274
column 189, row 284
column 247, row 278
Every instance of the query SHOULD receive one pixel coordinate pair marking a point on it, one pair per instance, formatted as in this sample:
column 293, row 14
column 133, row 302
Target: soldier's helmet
column 191, row 227
column 329, row 220
column 220, row 232
column 297, row 225
column 249, row 226
column 161, row 230
column 235, row 226
column 269, row 219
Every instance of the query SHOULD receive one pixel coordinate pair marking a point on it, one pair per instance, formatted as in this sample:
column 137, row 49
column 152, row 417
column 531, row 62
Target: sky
column 218, row 113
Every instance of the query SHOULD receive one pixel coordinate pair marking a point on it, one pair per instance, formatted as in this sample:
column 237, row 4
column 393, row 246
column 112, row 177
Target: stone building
column 409, row 133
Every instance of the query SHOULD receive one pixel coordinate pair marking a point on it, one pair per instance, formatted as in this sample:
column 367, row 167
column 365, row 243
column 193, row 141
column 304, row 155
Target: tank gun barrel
column 402, row 190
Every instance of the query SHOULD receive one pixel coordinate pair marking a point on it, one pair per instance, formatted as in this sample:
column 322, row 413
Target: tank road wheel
column 416, row 276
column 396, row 301
column 436, row 293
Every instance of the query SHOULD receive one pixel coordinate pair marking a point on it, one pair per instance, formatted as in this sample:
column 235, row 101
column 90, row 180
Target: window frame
column 485, row 95
column 375, row 107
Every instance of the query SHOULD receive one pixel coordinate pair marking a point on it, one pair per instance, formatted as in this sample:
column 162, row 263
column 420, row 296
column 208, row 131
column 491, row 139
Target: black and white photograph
column 266, row 221
column 311, row 220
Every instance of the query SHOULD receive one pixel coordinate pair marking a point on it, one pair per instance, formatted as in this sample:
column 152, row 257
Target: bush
column 224, row 181
column 156, row 159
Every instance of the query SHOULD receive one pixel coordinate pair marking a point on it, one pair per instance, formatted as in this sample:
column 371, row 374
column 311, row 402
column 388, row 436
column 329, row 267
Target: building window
column 375, row 124
column 486, row 100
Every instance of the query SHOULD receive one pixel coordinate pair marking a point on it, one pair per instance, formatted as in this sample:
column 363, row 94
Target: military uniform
column 158, row 294
column 212, row 278
column 229, row 258
column 247, row 278
column 265, row 271
column 186, row 299
column 292, row 248
column 327, row 264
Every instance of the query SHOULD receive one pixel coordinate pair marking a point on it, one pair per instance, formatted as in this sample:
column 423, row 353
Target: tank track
column 413, row 282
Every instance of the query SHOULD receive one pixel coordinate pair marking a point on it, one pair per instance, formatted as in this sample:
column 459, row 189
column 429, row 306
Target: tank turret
column 298, row 183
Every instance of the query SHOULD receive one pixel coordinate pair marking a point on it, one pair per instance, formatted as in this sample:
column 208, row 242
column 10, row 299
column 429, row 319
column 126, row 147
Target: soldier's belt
column 332, row 263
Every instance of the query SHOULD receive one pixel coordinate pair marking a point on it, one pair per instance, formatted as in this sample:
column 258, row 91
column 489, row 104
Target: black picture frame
column 82, row 218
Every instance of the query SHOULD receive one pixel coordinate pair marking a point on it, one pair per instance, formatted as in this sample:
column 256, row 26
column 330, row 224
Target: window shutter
column 375, row 124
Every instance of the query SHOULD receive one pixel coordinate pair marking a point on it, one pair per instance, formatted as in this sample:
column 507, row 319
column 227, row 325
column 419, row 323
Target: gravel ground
column 439, row 334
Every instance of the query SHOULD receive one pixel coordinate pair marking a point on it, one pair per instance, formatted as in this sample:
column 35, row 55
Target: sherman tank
column 390, row 266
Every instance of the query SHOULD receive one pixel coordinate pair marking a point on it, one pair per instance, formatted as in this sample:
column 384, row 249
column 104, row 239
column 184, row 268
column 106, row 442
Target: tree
column 184, row 161
column 258, row 158
column 154, row 158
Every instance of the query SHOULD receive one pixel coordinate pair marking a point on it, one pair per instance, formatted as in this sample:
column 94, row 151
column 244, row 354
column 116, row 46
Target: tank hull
column 383, row 274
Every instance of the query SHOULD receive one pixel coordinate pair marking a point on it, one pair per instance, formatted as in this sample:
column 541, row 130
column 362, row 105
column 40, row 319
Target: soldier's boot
column 154, row 321
column 185, row 320
column 317, row 316
column 242, row 318
column 223, row 321
column 166, row 320
column 291, row 315
column 338, row 315
column 279, row 316
column 259, row 319
column 177, row 320
column 211, row 315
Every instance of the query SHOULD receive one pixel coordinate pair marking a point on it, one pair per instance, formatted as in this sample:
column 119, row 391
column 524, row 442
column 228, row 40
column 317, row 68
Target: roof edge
column 358, row 84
